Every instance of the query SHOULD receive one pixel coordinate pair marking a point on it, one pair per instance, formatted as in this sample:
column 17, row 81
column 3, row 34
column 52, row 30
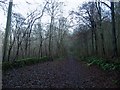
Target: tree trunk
column 40, row 49
column 8, row 27
column 17, row 52
column 92, row 42
column 101, row 30
column 10, row 48
column 96, row 45
column 50, row 39
column 114, row 41
column 86, row 43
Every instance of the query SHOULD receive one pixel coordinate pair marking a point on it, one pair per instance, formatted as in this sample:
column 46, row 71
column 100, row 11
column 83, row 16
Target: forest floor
column 63, row 73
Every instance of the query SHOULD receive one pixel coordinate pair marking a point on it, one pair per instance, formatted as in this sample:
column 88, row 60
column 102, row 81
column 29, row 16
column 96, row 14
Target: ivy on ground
column 102, row 63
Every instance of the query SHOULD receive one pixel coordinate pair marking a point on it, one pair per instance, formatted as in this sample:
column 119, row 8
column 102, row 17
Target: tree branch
column 106, row 5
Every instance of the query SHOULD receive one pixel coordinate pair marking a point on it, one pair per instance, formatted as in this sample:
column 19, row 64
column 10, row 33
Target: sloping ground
column 65, row 73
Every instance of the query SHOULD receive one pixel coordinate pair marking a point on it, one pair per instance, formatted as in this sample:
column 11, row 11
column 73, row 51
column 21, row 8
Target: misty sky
column 20, row 6
column 25, row 7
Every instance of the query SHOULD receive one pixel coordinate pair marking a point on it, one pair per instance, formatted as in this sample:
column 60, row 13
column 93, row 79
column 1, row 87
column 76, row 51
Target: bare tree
column 53, row 9
column 98, row 6
column 114, row 39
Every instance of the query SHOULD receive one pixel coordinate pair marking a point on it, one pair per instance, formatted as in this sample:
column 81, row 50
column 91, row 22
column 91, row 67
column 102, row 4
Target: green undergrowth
column 102, row 63
column 21, row 63
column 105, row 64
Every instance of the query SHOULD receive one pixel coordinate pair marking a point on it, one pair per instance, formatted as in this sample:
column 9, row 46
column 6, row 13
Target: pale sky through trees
column 26, row 6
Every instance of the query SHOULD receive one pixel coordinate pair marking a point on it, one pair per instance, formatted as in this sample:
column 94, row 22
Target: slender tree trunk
column 45, row 48
column 114, row 41
column 50, row 39
column 40, row 49
column 93, row 29
column 49, row 44
column 22, row 54
column 92, row 42
column 96, row 45
column 17, row 52
column 101, row 29
column 102, row 44
column 18, row 48
column 86, row 43
column 8, row 27
column 29, row 48
column 10, row 48
column 26, row 47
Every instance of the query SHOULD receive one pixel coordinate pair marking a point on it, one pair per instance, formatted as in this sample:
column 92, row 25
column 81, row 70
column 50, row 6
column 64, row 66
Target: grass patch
column 21, row 63
column 102, row 63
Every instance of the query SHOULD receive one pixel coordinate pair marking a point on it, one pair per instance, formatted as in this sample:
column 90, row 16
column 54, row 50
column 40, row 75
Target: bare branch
column 106, row 5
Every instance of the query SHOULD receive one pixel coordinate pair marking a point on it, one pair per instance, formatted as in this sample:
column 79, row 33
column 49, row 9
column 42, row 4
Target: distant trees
column 53, row 9
column 29, row 37
column 20, row 34
column 96, row 32
column 93, row 16
column 114, row 39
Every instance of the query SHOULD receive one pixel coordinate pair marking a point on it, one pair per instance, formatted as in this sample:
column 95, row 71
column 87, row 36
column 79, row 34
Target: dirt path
column 65, row 73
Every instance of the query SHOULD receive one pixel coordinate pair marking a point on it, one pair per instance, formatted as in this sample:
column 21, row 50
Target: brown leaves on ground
column 66, row 73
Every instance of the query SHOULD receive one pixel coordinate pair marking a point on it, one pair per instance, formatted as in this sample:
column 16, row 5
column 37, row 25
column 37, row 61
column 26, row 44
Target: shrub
column 101, row 62
column 23, row 62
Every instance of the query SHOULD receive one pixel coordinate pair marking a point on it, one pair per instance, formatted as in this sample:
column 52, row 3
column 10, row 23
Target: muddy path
column 63, row 73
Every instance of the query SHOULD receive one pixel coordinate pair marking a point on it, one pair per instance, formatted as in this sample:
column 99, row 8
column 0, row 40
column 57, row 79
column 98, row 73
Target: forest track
column 64, row 73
